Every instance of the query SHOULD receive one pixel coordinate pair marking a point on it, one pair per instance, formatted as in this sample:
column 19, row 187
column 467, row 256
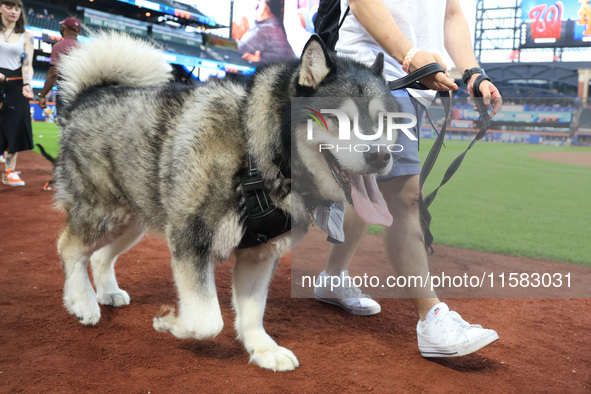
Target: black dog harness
column 263, row 219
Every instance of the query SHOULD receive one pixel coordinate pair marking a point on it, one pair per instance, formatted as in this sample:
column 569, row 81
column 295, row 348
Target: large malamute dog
column 140, row 153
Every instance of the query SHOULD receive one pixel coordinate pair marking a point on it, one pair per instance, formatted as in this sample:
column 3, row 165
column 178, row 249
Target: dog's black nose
column 377, row 157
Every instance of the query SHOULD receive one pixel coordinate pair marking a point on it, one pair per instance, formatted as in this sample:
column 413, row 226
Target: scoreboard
column 555, row 24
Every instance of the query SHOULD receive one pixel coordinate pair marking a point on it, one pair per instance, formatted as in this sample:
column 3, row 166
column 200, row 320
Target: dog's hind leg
column 103, row 267
column 199, row 315
column 252, row 276
column 79, row 296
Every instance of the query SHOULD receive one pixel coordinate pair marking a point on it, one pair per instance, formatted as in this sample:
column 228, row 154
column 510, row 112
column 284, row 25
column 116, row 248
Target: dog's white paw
column 80, row 300
column 265, row 352
column 166, row 321
column 116, row 299
column 276, row 358
column 87, row 311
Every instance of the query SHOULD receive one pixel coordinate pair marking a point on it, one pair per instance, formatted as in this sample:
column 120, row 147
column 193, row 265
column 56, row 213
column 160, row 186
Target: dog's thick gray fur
column 139, row 153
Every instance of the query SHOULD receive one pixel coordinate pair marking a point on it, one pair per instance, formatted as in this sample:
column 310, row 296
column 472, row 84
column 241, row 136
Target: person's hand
column 2, row 77
column 238, row 29
column 438, row 81
column 252, row 58
column 27, row 91
column 42, row 102
column 490, row 94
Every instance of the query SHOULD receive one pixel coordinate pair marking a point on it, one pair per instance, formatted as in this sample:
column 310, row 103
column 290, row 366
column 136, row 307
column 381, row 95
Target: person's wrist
column 475, row 81
column 408, row 59
column 471, row 73
column 472, row 79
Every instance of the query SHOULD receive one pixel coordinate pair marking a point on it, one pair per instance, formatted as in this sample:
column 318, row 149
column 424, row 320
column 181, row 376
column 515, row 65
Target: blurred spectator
column 70, row 29
column 267, row 40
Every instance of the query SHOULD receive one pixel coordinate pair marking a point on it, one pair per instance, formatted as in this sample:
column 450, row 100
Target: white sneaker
column 11, row 178
column 445, row 334
column 346, row 295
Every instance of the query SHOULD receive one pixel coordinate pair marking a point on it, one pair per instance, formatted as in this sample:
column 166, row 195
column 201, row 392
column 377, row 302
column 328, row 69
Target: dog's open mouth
column 362, row 192
column 339, row 175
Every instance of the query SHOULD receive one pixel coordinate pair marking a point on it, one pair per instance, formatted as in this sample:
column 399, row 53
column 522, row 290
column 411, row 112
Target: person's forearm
column 27, row 72
column 375, row 18
column 50, row 81
column 458, row 43
column 27, row 69
column 27, row 80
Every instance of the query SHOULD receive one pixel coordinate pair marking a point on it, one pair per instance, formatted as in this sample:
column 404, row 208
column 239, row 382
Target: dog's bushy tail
column 111, row 58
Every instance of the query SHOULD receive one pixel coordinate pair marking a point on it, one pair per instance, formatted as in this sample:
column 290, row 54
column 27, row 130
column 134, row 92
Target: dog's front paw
column 276, row 358
column 183, row 328
column 116, row 299
column 88, row 312
column 81, row 302
column 265, row 352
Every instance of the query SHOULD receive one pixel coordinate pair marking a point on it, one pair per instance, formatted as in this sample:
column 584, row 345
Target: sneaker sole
column 461, row 351
column 13, row 184
column 354, row 311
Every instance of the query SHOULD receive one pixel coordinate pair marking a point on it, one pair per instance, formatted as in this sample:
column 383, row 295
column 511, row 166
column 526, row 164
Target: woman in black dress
column 16, row 74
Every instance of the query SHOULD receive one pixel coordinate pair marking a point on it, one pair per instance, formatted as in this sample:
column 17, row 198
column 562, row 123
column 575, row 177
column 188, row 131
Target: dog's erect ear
column 315, row 63
column 378, row 66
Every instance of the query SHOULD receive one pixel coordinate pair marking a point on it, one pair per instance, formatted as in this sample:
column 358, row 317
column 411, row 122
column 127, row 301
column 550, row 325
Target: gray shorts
column 407, row 161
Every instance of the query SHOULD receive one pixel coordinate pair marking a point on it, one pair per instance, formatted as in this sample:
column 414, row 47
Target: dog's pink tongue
column 368, row 201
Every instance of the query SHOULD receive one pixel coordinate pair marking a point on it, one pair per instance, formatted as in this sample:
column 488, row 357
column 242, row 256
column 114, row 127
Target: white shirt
column 11, row 53
column 421, row 21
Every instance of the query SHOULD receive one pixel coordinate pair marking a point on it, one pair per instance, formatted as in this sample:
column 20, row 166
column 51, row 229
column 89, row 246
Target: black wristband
column 471, row 71
column 25, row 84
column 476, row 85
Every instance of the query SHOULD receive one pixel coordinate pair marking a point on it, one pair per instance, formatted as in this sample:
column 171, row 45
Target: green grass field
column 46, row 134
column 500, row 200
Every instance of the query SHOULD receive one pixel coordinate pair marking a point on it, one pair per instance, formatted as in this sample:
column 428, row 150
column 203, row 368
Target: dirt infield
column 578, row 158
column 543, row 346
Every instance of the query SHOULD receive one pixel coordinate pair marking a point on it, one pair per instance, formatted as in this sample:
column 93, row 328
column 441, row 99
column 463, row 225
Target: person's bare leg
column 404, row 241
column 446, row 335
column 332, row 285
column 341, row 255
column 10, row 159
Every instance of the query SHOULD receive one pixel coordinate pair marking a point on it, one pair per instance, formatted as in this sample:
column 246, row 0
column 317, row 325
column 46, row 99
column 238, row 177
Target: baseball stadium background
column 520, row 199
